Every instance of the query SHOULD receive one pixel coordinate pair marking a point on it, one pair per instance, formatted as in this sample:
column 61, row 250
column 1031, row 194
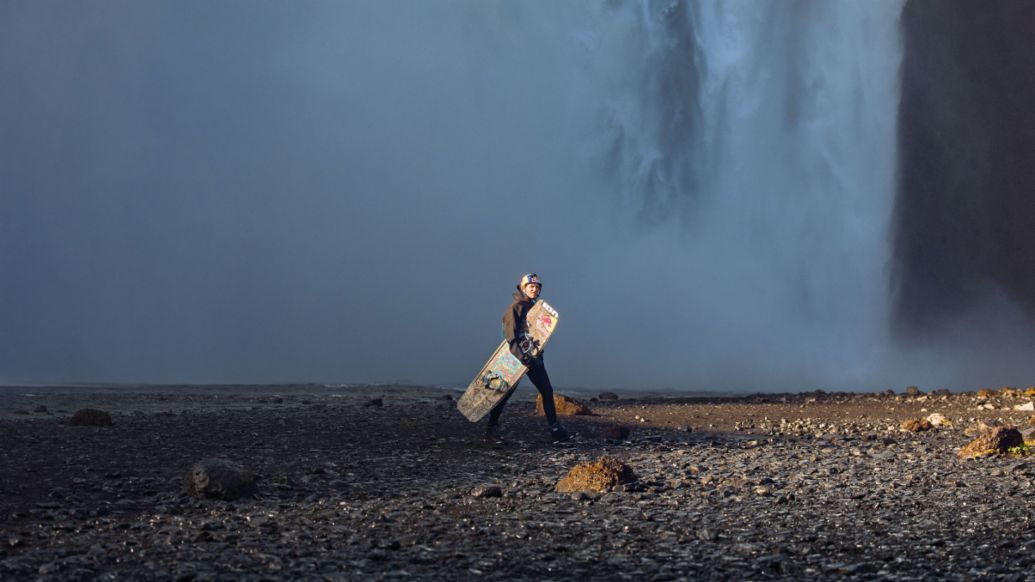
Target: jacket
column 515, row 327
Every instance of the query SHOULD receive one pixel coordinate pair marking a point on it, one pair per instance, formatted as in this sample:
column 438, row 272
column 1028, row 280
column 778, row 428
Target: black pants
column 537, row 374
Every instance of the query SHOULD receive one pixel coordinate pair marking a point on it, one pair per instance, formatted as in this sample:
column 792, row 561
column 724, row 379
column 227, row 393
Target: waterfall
column 764, row 135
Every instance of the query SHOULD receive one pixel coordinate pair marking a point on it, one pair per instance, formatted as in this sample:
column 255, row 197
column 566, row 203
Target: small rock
column 617, row 433
column 939, row 420
column 90, row 417
column 607, row 396
column 375, row 403
column 913, row 391
column 41, row 409
column 981, row 427
column 218, row 479
column 1027, row 407
column 604, row 474
column 916, row 425
column 565, row 405
column 994, row 442
column 487, row 491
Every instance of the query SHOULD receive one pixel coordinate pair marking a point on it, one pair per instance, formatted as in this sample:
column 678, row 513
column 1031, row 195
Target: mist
column 348, row 192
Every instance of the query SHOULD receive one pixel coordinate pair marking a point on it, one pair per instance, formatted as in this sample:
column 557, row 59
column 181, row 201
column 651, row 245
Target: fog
column 348, row 192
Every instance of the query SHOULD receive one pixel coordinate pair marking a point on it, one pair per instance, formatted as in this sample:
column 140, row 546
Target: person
column 514, row 329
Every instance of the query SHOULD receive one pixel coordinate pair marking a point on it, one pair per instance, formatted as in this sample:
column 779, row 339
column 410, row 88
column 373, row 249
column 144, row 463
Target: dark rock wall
column 964, row 225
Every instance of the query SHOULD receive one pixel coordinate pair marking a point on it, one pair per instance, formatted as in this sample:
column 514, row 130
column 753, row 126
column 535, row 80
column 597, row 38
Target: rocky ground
column 785, row 486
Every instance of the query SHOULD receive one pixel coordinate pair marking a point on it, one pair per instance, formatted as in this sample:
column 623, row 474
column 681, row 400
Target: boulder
column 994, row 442
column 565, row 405
column 604, row 474
column 917, row 425
column 218, row 479
column 90, row 417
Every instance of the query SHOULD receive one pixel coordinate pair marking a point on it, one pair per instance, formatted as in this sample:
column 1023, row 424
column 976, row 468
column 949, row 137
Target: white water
column 754, row 142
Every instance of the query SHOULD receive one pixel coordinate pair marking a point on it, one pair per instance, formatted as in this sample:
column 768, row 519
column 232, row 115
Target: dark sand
column 768, row 487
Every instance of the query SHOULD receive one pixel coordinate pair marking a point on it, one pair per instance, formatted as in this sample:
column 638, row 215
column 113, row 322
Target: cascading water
column 764, row 135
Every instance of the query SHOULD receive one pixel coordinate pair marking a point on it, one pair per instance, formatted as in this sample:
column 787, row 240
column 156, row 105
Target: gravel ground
column 765, row 487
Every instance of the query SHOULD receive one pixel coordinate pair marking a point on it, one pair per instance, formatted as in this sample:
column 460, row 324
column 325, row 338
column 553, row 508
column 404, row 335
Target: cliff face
column 964, row 224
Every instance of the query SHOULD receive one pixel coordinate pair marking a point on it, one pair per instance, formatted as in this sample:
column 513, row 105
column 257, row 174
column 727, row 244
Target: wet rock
column 41, row 409
column 375, row 403
column 219, row 479
column 605, row 396
column 604, row 474
column 90, row 417
column 993, row 442
column 617, row 433
column 916, row 425
column 565, row 405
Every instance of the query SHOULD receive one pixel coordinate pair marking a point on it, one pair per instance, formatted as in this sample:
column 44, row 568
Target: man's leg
column 537, row 374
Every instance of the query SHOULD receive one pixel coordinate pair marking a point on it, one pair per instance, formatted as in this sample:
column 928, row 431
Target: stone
column 938, row 420
column 90, row 417
column 1026, row 407
column 375, row 403
column 994, row 442
column 916, row 425
column 617, row 433
column 487, row 491
column 600, row 476
column 41, row 409
column 565, row 405
column 219, row 479
column 604, row 396
column 985, row 393
column 913, row 391
column 981, row 427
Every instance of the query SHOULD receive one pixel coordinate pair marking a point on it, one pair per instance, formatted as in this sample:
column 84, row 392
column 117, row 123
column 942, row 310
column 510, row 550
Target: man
column 514, row 329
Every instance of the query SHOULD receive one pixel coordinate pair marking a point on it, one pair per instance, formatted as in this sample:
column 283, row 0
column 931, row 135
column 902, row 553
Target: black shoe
column 558, row 433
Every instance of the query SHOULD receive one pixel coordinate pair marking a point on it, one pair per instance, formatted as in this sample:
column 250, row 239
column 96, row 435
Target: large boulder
column 994, row 442
column 90, row 417
column 565, row 405
column 602, row 475
column 218, row 479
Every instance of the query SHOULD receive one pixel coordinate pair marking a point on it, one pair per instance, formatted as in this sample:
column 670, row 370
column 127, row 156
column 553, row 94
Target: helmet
column 530, row 279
